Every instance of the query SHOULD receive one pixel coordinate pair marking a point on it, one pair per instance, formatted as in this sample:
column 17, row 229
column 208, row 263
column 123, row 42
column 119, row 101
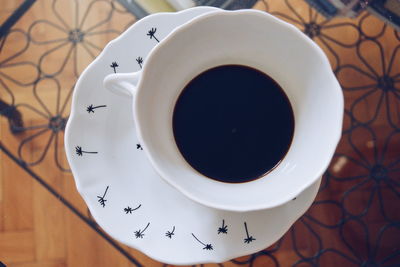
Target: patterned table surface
column 354, row 220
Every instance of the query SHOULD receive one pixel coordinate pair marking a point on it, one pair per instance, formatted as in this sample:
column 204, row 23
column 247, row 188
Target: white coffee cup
column 255, row 39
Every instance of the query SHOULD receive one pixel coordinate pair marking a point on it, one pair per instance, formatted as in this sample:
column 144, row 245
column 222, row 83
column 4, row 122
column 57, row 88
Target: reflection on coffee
column 233, row 123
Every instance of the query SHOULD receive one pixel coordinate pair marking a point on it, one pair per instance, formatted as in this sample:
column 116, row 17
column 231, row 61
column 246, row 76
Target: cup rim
column 300, row 35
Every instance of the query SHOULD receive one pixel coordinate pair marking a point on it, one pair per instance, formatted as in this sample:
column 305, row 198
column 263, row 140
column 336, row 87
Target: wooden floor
column 37, row 230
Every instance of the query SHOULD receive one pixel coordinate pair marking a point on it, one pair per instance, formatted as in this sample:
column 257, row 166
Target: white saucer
column 123, row 192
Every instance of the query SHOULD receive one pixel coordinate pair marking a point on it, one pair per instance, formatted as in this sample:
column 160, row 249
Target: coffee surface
column 233, row 123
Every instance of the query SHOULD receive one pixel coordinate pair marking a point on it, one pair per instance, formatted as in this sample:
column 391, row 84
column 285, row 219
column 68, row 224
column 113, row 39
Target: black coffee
column 233, row 123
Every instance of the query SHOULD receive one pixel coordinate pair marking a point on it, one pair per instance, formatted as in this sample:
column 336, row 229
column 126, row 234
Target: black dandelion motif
column 129, row 209
column 223, row 229
column 206, row 246
column 139, row 60
column 80, row 152
column 114, row 65
column 91, row 108
column 151, row 34
column 170, row 234
column 140, row 233
column 139, row 146
column 101, row 199
column 249, row 238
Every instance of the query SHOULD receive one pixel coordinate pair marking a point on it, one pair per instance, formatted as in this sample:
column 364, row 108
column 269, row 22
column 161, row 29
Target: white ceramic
column 125, row 194
column 259, row 40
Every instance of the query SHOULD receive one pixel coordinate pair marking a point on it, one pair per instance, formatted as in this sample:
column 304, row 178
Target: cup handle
column 124, row 84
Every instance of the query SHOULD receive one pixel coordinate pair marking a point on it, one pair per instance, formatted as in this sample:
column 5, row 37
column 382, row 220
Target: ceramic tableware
column 245, row 37
column 126, row 196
